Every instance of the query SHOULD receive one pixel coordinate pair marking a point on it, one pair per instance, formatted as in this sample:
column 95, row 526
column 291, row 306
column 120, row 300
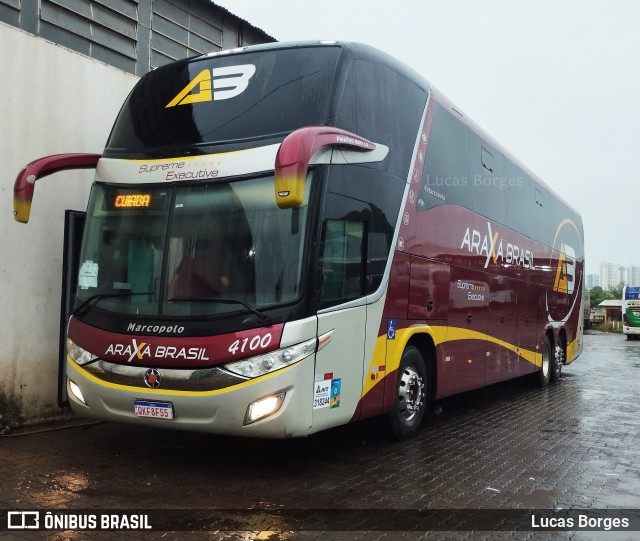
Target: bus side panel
column 529, row 330
column 501, row 356
column 463, row 361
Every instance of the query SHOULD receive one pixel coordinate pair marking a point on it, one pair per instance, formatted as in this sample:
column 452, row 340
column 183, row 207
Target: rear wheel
column 557, row 361
column 410, row 399
column 545, row 370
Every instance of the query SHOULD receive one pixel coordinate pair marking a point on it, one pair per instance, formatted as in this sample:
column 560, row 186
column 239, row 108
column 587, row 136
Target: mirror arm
column 26, row 179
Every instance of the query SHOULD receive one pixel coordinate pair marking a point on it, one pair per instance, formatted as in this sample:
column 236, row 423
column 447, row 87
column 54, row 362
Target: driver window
column 342, row 261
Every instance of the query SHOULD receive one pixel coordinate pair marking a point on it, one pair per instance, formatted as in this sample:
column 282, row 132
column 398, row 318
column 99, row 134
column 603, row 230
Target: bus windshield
column 190, row 250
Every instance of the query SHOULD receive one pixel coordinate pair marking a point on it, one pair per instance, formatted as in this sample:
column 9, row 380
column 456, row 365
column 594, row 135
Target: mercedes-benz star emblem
column 152, row 378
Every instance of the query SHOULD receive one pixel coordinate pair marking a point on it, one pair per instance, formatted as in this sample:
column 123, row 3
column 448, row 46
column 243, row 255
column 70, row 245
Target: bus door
column 464, row 359
column 73, row 229
column 339, row 366
column 501, row 328
column 342, row 282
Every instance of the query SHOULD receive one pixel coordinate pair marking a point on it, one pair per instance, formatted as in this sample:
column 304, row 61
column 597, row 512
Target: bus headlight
column 260, row 365
column 79, row 355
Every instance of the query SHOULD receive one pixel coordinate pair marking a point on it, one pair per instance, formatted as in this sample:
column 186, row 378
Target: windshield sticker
column 88, row 275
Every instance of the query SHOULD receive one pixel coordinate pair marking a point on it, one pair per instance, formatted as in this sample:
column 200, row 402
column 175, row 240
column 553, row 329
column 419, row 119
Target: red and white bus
column 289, row 237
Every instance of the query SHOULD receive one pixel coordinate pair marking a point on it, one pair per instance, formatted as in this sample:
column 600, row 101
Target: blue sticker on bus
column 334, row 400
column 391, row 329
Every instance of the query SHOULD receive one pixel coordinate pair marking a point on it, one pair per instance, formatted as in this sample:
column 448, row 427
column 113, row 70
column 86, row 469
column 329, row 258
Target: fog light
column 263, row 408
column 75, row 391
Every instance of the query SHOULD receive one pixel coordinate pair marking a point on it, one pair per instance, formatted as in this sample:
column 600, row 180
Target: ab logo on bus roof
column 215, row 84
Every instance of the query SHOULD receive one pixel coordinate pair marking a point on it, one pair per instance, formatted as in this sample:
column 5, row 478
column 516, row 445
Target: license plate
column 155, row 410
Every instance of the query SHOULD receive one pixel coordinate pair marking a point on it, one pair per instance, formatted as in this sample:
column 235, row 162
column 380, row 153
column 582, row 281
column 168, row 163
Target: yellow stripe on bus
column 391, row 350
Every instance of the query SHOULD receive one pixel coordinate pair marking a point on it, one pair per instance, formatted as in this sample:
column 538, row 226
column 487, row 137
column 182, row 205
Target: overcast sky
column 555, row 82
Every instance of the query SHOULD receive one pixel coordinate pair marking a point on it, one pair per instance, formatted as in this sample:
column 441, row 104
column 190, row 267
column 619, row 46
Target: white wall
column 52, row 100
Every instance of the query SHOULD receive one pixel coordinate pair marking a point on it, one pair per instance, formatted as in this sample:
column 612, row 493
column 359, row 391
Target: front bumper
column 200, row 404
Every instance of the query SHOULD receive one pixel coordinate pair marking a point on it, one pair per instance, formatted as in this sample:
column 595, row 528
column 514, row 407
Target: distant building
column 612, row 275
column 633, row 275
column 592, row 280
column 609, row 311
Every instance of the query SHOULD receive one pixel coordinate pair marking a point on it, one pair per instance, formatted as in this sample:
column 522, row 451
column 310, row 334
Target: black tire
column 544, row 374
column 410, row 401
column 557, row 360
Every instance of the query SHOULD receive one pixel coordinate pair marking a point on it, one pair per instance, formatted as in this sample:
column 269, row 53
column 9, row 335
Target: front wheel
column 410, row 400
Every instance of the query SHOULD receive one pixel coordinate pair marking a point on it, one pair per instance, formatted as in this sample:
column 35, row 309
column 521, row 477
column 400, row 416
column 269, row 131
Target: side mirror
column 26, row 179
column 295, row 153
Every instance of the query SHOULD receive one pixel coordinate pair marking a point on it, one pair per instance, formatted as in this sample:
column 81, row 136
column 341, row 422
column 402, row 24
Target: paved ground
column 510, row 446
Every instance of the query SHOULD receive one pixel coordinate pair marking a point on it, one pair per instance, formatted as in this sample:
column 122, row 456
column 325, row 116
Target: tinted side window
column 445, row 178
column 517, row 195
column 488, row 180
column 383, row 106
column 343, row 259
column 360, row 212
column 540, row 207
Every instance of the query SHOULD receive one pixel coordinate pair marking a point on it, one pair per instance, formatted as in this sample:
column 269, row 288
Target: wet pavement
column 573, row 445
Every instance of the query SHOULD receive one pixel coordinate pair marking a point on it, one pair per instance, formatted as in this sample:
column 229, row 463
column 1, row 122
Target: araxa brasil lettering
column 144, row 350
column 493, row 247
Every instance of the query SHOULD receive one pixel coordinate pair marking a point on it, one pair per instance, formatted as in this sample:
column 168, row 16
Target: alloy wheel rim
column 410, row 393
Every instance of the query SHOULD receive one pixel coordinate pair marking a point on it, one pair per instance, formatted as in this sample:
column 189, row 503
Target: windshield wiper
column 99, row 296
column 223, row 300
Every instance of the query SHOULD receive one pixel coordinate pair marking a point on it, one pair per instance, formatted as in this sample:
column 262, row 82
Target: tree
column 597, row 295
column 616, row 292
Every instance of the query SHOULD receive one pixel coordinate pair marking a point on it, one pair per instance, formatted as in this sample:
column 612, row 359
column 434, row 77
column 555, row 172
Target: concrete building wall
column 133, row 35
column 52, row 100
